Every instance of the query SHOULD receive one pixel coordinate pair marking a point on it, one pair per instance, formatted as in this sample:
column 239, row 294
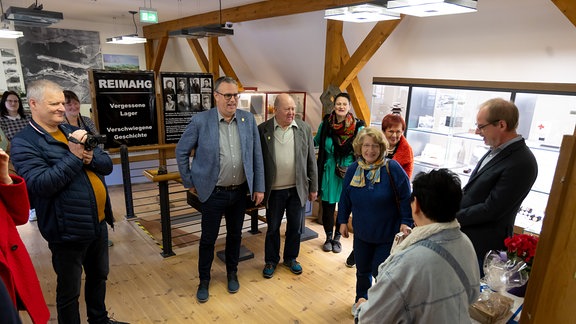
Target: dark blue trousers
column 280, row 201
column 231, row 204
column 368, row 257
column 68, row 260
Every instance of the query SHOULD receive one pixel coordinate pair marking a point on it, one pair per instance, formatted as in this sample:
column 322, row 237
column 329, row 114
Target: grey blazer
column 202, row 135
column 306, row 169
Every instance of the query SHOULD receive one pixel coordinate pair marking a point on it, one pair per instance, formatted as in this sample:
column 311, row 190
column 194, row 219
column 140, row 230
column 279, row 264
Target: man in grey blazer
column 500, row 181
column 227, row 164
column 291, row 179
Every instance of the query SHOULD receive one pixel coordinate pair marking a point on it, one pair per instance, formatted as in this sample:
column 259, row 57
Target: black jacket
column 493, row 195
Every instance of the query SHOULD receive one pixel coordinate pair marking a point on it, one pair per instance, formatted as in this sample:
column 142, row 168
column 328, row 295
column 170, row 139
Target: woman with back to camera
column 432, row 276
column 334, row 138
column 376, row 191
column 393, row 127
column 12, row 116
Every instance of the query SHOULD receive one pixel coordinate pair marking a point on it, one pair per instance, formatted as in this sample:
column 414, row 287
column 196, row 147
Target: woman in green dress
column 334, row 138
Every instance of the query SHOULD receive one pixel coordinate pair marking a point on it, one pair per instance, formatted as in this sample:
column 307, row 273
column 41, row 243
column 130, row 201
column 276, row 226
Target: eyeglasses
column 481, row 127
column 372, row 146
column 228, row 96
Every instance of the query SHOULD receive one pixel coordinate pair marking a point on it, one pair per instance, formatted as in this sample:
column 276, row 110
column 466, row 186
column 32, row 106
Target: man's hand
column 78, row 149
column 87, row 156
column 344, row 230
column 257, row 198
column 313, row 195
column 405, row 229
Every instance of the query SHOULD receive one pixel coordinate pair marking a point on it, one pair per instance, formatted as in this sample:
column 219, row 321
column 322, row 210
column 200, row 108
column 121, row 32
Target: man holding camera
column 65, row 181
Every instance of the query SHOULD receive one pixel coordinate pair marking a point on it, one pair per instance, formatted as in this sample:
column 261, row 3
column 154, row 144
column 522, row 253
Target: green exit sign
column 148, row 15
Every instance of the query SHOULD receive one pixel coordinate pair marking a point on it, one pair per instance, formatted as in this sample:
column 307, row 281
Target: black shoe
column 112, row 321
column 350, row 262
column 233, row 284
column 202, row 294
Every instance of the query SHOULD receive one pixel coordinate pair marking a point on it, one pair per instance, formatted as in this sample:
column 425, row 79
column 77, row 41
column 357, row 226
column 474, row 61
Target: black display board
column 183, row 95
column 125, row 107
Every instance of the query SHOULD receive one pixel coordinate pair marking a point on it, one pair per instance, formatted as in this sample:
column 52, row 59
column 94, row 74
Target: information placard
column 125, row 107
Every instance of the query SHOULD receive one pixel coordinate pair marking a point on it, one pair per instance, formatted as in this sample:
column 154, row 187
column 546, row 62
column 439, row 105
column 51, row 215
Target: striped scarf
column 373, row 173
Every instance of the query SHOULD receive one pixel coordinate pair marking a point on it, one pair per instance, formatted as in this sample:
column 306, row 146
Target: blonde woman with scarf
column 432, row 276
column 376, row 191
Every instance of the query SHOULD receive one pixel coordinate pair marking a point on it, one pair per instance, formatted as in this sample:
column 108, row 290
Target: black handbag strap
column 393, row 186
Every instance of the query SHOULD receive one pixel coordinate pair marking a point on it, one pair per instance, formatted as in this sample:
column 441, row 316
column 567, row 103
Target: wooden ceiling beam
column 154, row 58
column 332, row 57
column 253, row 11
column 227, row 68
column 354, row 89
column 568, row 8
column 199, row 54
column 364, row 52
column 214, row 57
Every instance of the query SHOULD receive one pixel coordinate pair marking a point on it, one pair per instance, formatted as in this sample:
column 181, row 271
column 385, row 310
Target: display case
column 441, row 124
column 261, row 104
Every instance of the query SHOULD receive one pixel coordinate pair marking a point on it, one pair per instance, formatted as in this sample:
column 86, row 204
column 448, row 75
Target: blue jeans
column 233, row 205
column 68, row 259
column 280, row 201
column 368, row 257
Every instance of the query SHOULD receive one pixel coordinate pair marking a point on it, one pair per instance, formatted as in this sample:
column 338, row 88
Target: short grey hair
column 37, row 89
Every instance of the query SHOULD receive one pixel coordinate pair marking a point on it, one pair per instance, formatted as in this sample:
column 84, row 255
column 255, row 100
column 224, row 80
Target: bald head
column 285, row 109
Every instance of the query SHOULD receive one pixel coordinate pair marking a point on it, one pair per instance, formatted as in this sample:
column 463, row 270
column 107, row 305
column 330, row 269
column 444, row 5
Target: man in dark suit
column 227, row 164
column 291, row 178
column 500, row 181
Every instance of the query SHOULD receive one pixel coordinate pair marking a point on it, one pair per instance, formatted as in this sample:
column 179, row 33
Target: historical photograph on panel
column 206, row 101
column 195, row 85
column 206, row 85
column 12, row 77
column 60, row 55
column 182, row 95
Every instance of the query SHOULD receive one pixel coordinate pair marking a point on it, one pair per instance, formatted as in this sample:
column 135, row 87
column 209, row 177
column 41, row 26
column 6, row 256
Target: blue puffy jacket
column 58, row 186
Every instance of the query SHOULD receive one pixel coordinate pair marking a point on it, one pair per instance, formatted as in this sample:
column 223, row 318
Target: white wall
column 512, row 40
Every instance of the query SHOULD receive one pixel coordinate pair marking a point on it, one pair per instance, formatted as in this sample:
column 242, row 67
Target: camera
column 91, row 141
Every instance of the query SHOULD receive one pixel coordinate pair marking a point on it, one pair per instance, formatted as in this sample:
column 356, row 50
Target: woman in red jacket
column 16, row 269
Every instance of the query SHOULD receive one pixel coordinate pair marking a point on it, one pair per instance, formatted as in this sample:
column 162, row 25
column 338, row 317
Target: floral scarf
column 373, row 172
column 344, row 130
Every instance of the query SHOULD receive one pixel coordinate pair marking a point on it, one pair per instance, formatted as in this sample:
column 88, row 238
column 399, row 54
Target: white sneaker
column 32, row 215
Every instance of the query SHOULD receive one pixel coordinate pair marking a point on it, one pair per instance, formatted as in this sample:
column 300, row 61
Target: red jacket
column 16, row 268
column 404, row 156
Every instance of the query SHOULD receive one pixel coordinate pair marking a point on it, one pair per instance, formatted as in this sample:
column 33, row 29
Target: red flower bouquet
column 511, row 268
column 521, row 247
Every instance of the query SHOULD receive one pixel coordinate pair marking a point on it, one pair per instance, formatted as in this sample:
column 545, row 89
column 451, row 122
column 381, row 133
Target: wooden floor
column 144, row 287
